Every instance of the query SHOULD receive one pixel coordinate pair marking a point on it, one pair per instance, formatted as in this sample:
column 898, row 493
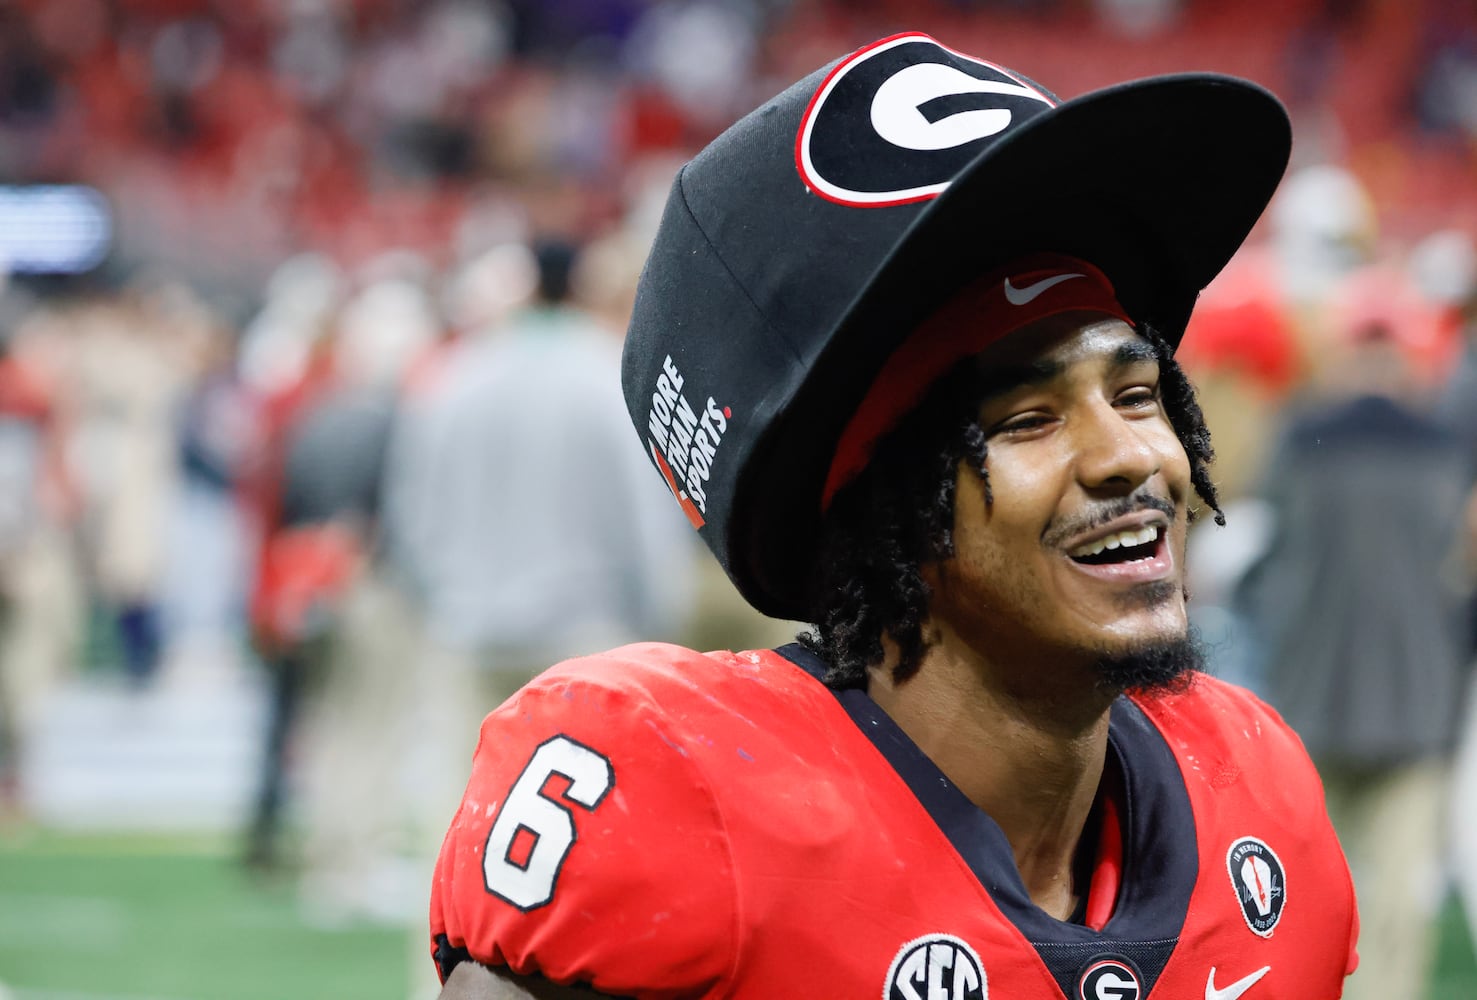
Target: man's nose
column 1114, row 454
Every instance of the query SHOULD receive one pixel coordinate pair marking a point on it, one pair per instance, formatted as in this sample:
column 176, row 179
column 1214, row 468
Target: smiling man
column 903, row 352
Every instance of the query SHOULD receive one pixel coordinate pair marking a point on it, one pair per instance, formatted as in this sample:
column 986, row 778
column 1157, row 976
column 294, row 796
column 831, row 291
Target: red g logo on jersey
column 937, row 965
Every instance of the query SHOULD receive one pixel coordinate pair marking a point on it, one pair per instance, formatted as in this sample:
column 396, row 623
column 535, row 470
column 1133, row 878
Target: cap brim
column 1157, row 182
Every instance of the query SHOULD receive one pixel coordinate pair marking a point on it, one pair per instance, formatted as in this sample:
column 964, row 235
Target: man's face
column 1081, row 549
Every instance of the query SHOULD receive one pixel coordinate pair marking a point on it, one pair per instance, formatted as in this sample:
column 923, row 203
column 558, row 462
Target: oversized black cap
column 804, row 243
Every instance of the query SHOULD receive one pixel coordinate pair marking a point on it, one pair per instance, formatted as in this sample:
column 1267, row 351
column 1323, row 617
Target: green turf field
column 1456, row 967
column 137, row 918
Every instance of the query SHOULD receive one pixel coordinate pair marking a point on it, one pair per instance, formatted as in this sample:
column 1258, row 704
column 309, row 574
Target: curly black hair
column 898, row 515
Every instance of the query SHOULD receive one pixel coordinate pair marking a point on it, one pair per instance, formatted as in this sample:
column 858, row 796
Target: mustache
column 1101, row 512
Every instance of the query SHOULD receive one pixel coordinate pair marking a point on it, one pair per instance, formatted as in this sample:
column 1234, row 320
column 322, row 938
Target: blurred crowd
column 229, row 135
column 343, row 399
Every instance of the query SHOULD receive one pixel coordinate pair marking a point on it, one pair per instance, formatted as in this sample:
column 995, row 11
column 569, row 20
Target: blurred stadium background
column 205, row 205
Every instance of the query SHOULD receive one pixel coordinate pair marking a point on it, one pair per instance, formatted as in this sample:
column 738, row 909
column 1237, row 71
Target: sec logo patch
column 1260, row 882
column 936, row 965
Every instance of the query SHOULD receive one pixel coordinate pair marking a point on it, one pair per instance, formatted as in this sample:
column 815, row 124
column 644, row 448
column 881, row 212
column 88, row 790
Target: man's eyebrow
column 1131, row 352
column 1007, row 378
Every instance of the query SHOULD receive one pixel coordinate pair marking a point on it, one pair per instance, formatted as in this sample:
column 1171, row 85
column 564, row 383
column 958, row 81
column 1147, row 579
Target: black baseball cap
column 800, row 248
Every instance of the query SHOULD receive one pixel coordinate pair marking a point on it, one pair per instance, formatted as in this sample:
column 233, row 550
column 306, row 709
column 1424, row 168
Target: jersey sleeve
column 588, row 846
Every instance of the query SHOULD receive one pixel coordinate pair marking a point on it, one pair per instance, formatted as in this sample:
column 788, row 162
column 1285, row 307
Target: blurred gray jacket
column 1458, row 407
column 520, row 506
column 335, row 456
column 1357, row 599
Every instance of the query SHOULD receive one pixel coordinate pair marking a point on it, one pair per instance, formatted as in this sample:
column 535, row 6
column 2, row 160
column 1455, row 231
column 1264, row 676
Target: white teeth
column 1119, row 539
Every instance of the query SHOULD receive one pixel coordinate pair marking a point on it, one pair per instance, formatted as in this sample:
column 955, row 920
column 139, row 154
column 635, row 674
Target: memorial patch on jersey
column 1110, row 977
column 1260, row 883
column 936, row 965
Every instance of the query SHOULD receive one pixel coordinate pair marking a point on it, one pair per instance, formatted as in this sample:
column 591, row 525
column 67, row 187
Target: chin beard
column 1160, row 667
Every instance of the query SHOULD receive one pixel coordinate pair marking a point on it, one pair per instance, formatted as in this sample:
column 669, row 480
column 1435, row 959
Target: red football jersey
column 660, row 823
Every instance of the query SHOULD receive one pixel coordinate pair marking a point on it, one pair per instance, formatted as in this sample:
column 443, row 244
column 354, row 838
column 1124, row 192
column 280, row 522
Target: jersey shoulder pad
column 589, row 846
column 1227, row 734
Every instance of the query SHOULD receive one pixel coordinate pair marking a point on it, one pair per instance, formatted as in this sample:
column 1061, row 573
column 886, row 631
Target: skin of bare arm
column 471, row 981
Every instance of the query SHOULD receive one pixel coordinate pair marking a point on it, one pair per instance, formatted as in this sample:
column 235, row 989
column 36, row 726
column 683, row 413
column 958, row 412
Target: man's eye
column 1139, row 396
column 1024, row 422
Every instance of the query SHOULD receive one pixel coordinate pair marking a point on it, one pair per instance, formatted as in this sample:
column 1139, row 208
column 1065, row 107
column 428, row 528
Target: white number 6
column 548, row 818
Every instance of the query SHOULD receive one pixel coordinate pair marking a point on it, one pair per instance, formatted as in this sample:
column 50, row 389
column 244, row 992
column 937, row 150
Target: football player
column 903, row 352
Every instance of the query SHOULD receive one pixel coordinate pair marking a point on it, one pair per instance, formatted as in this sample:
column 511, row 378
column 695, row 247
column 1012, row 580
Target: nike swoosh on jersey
column 1237, row 988
column 1020, row 296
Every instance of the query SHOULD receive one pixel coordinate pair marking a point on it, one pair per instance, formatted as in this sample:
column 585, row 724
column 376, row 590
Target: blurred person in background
column 354, row 729
column 484, row 475
column 525, row 523
column 321, row 622
column 1446, row 264
column 1324, row 226
column 1359, row 612
column 128, row 380
column 39, row 602
column 1452, row 276
column 1246, row 348
column 208, row 537
column 286, row 358
column 1242, row 352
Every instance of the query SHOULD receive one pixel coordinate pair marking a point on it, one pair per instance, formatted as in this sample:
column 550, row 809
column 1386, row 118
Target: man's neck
column 1029, row 754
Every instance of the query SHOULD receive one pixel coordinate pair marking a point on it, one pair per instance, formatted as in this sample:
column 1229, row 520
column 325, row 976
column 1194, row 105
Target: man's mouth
column 1126, row 546
column 1128, row 551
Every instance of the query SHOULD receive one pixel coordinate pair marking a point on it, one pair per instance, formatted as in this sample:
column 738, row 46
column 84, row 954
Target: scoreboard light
column 53, row 228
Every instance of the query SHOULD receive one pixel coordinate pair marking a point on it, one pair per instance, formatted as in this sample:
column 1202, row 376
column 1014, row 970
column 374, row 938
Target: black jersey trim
column 448, row 956
column 1160, row 855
